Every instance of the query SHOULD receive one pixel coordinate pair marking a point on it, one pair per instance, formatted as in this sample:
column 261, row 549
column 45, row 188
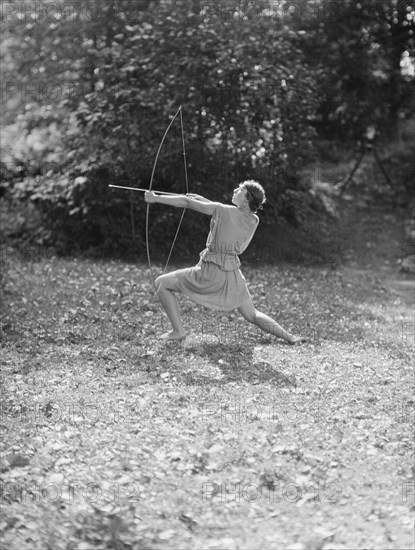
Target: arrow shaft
column 144, row 190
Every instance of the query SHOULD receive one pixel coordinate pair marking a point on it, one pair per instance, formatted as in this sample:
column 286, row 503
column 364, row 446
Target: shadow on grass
column 219, row 364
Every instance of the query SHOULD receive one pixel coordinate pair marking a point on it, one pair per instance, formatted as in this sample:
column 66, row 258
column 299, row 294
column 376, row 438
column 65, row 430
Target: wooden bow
column 178, row 112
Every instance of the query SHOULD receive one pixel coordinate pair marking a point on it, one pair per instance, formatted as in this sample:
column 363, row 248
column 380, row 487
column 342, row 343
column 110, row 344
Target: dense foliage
column 90, row 93
column 361, row 49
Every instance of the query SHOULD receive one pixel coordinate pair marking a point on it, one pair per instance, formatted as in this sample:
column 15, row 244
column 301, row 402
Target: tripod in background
column 367, row 146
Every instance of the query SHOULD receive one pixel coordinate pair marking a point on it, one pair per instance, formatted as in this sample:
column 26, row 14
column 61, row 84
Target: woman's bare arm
column 197, row 197
column 182, row 201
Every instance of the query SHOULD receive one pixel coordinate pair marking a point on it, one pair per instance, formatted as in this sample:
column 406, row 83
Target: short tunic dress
column 216, row 281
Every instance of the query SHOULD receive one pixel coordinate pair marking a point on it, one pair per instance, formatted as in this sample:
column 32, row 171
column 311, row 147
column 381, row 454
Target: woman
column 216, row 281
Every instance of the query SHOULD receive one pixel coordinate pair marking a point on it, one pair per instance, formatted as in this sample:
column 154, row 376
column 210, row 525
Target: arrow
column 144, row 190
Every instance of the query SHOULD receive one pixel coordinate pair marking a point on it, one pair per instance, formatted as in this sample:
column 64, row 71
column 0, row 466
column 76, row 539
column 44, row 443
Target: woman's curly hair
column 255, row 194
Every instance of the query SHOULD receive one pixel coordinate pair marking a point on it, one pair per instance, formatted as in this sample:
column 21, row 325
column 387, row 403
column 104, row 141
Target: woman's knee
column 165, row 282
column 160, row 283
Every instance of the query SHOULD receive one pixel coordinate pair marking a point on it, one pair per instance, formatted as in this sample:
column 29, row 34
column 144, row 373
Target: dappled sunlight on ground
column 231, row 438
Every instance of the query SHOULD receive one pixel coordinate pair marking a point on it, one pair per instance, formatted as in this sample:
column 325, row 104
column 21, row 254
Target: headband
column 252, row 196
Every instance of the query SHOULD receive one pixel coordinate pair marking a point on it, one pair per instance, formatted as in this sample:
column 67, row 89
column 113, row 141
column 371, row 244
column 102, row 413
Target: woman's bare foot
column 293, row 340
column 173, row 335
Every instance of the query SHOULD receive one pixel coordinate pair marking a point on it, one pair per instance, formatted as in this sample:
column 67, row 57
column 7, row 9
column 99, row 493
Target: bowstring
column 150, row 187
column 187, row 190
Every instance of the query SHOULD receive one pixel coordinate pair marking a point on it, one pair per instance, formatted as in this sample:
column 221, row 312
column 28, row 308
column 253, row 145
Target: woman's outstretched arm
column 197, row 197
column 182, row 201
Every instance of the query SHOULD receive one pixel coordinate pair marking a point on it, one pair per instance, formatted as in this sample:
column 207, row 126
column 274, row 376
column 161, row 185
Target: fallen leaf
column 190, row 523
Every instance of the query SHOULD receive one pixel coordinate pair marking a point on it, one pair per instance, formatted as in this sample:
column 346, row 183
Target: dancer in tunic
column 216, row 281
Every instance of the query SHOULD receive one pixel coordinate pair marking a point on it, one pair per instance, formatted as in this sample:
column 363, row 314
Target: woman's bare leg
column 165, row 285
column 266, row 323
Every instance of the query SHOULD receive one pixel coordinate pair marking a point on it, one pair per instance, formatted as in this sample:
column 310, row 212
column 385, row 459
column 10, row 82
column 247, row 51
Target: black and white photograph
column 207, row 274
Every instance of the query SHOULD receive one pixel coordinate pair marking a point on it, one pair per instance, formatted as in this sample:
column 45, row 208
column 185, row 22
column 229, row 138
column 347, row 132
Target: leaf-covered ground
column 112, row 439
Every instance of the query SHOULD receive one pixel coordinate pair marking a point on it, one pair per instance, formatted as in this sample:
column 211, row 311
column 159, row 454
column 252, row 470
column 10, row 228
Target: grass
column 112, row 439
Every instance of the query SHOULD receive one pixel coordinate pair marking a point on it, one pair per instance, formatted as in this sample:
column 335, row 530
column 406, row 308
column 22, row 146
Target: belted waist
column 227, row 261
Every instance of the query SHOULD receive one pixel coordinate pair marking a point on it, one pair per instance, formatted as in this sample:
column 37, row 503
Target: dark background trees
column 88, row 90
